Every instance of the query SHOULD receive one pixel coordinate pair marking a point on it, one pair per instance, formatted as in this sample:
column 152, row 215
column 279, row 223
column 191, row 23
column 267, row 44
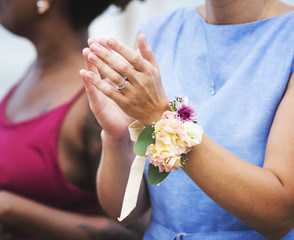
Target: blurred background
column 17, row 53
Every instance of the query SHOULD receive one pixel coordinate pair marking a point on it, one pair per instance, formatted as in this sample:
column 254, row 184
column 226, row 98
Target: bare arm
column 260, row 197
column 263, row 198
column 50, row 223
column 116, row 161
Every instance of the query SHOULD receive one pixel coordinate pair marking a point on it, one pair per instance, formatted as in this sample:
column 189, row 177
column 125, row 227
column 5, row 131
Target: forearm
column 252, row 194
column 45, row 222
column 113, row 173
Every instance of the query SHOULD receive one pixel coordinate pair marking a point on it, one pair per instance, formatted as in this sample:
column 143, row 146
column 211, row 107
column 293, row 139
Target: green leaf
column 144, row 140
column 154, row 176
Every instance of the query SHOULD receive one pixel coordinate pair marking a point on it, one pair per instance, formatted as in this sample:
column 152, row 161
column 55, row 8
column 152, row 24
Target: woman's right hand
column 143, row 98
column 110, row 117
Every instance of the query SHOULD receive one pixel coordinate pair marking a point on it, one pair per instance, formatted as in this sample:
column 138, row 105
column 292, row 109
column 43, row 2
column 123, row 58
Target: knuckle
column 123, row 68
column 100, row 65
column 109, row 93
column 103, row 54
column 135, row 58
column 118, row 47
column 152, row 72
column 116, row 78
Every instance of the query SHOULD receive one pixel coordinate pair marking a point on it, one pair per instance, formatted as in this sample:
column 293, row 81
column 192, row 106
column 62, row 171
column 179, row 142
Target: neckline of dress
column 8, row 122
column 241, row 24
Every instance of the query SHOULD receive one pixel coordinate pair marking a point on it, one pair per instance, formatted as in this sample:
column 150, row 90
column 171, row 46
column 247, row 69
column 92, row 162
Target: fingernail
column 92, row 57
column 95, row 48
column 84, row 50
column 145, row 43
column 89, row 75
column 82, row 71
column 139, row 52
column 111, row 42
column 91, row 41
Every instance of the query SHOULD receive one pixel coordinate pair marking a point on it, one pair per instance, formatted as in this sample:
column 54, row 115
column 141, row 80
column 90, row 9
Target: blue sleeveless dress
column 251, row 64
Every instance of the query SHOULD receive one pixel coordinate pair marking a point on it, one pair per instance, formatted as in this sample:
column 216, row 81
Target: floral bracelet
column 168, row 141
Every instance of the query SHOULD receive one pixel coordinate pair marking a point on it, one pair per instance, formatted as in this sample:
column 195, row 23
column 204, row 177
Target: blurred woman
column 49, row 140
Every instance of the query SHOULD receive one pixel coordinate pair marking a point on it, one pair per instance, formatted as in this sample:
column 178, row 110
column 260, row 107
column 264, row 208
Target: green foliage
column 144, row 140
column 154, row 176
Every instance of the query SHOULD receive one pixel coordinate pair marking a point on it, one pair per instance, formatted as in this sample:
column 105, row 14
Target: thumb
column 146, row 50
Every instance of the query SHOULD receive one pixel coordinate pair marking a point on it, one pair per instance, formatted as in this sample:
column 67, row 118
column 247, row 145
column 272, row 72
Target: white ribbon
column 135, row 177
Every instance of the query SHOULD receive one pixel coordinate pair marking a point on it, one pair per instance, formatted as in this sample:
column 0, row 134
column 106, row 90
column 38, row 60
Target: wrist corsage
column 168, row 141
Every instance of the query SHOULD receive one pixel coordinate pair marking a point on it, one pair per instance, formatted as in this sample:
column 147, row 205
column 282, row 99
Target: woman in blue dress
column 234, row 60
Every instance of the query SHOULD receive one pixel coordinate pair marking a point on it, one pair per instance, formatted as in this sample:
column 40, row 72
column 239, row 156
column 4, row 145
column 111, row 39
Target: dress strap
column 77, row 95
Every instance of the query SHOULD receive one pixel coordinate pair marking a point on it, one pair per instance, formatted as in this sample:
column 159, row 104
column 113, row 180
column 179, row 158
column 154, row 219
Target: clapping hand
column 142, row 97
column 111, row 118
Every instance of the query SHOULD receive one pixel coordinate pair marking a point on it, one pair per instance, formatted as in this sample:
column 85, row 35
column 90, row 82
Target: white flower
column 193, row 134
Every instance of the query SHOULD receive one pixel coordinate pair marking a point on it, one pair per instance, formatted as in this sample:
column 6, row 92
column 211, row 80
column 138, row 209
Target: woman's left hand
column 143, row 97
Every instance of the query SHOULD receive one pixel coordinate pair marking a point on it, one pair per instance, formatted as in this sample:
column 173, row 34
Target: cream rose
column 193, row 134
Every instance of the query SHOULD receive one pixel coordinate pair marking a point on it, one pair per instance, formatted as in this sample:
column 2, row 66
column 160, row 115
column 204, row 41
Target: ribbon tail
column 133, row 187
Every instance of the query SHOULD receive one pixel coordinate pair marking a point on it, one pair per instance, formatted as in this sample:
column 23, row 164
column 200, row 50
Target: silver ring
column 123, row 86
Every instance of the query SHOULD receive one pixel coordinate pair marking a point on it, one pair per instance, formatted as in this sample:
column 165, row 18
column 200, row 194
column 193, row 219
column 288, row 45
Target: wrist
column 173, row 136
column 108, row 138
column 157, row 114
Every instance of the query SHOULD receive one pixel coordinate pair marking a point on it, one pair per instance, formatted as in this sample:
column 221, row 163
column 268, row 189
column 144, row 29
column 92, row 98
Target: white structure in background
column 17, row 53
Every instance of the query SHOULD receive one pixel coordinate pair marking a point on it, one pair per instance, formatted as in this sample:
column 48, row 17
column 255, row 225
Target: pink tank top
column 29, row 163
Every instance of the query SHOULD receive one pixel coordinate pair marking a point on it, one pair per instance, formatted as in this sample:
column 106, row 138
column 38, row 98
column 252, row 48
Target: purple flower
column 186, row 113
